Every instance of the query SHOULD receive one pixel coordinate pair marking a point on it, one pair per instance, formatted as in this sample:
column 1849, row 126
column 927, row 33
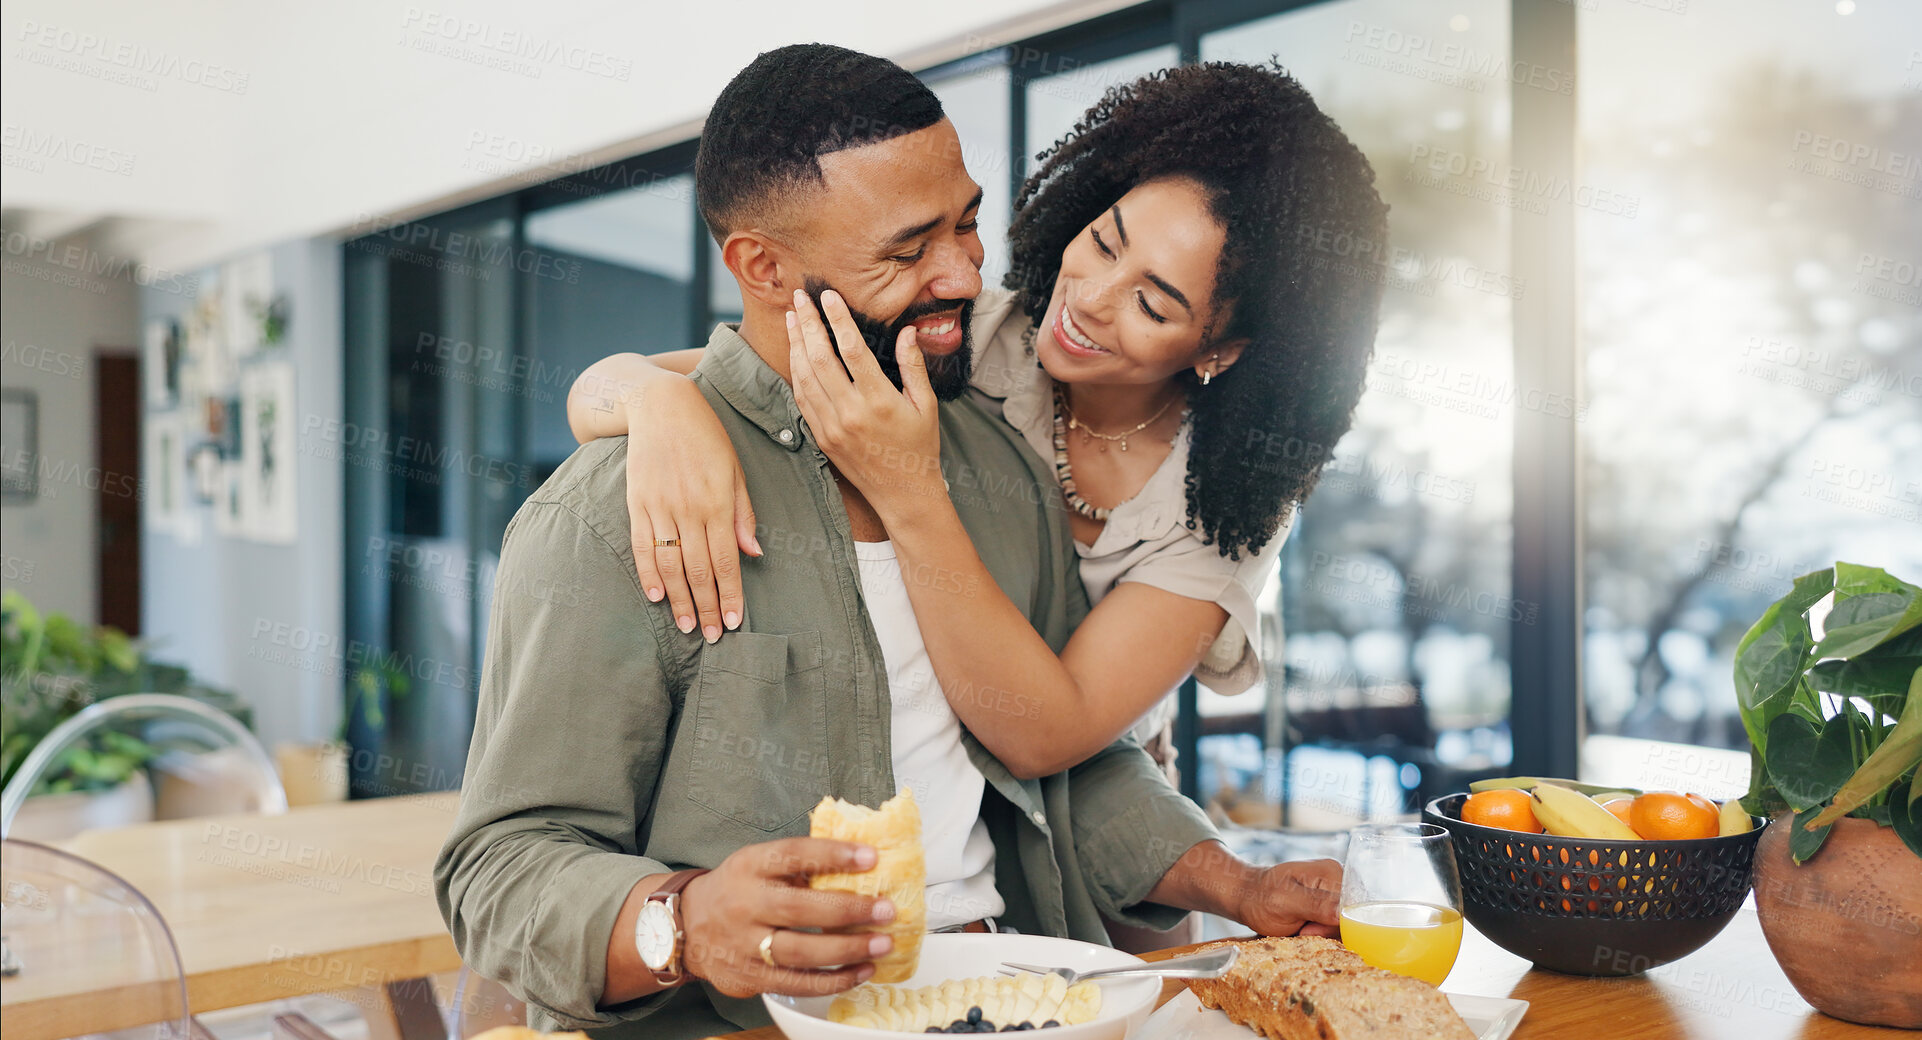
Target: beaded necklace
column 1064, row 420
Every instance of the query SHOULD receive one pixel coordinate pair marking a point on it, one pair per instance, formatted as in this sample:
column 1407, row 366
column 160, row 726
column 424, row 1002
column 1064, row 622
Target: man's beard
column 947, row 373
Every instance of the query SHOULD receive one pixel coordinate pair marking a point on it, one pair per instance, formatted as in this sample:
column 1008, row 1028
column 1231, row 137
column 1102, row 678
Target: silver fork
column 1208, row 964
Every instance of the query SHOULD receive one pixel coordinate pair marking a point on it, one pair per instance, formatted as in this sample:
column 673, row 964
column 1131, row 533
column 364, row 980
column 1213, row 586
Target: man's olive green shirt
column 609, row 746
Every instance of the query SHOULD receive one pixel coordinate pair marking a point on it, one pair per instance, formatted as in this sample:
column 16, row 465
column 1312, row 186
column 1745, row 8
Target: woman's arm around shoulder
column 687, row 501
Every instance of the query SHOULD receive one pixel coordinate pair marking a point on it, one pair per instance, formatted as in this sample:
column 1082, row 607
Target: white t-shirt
column 929, row 757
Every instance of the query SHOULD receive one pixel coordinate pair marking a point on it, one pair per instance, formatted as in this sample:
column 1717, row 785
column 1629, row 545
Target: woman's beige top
column 1147, row 537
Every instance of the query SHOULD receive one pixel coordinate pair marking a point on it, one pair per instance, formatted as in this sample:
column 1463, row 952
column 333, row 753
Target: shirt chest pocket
column 760, row 754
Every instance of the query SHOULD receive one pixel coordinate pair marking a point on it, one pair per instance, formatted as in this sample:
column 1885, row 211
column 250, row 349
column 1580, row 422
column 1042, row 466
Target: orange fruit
column 1508, row 810
column 1666, row 816
column 1620, row 807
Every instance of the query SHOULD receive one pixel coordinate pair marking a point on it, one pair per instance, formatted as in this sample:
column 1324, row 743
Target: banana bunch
column 1735, row 819
column 1571, row 814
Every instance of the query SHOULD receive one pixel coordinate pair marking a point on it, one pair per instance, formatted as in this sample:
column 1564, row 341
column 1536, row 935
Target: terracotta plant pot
column 1846, row 926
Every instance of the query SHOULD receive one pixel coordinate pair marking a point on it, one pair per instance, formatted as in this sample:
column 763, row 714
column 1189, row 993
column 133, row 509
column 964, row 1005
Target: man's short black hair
column 790, row 106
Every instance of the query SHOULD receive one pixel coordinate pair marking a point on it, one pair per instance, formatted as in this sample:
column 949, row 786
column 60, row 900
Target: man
column 613, row 744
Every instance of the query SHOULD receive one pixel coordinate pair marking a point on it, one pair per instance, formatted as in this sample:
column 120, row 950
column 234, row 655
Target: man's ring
column 673, row 542
column 767, row 949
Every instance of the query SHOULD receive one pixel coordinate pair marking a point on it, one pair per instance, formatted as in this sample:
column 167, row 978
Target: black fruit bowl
column 1587, row 906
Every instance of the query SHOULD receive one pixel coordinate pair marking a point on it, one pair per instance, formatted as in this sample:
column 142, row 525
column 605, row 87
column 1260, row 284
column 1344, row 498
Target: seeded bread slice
column 1310, row 988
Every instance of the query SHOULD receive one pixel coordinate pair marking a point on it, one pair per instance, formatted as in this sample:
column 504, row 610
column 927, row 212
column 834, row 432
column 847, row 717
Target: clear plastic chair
column 208, row 763
column 84, row 951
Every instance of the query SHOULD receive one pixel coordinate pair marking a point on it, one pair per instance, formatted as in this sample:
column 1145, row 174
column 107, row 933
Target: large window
column 1394, row 591
column 975, row 96
column 630, row 265
column 1730, row 399
column 1057, row 95
column 1751, row 211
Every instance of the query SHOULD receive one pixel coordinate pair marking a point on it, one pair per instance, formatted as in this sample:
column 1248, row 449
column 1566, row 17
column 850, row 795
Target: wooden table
column 1730, row 989
column 263, row 907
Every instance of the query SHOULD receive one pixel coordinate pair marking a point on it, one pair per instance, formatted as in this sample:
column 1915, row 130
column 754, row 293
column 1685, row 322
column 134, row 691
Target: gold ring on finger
column 667, row 542
column 767, row 949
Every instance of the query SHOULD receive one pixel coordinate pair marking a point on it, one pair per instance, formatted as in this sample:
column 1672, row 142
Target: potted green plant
column 1829, row 682
column 51, row 668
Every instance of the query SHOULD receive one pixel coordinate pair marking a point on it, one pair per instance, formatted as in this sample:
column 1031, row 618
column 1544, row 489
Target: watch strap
column 669, row 895
column 675, row 882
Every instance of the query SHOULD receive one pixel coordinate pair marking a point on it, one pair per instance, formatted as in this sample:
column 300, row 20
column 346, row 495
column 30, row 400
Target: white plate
column 1125, row 1003
column 1183, row 1018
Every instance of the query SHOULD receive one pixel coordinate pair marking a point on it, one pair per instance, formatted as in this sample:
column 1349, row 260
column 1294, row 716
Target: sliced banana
column 1028, row 994
column 1002, row 1000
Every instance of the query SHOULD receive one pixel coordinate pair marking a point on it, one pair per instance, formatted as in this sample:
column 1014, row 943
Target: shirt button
column 787, row 436
column 1040, row 818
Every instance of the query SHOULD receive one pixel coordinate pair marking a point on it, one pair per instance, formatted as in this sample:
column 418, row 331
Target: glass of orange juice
column 1401, row 899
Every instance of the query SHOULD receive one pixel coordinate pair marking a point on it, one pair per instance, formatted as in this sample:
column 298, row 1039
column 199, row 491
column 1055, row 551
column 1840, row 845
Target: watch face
column 654, row 935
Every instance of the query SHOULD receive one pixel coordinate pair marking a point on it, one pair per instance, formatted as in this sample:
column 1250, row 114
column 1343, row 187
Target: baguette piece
column 900, row 871
column 1311, row 988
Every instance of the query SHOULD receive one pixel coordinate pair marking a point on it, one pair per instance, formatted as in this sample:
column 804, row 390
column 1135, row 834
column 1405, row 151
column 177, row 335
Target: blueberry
column 974, row 1015
column 1050, row 1024
column 934, row 1029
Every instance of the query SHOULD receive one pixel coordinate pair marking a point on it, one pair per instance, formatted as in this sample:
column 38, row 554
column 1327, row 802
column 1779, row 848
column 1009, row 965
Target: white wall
column 52, row 317
column 250, row 124
column 207, row 601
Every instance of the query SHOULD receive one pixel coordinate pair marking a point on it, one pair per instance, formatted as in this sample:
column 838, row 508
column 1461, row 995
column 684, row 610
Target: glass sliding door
column 432, row 475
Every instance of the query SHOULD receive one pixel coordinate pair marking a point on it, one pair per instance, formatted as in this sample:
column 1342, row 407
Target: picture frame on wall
column 19, row 446
column 268, row 460
column 168, row 478
column 228, row 501
column 160, row 362
column 247, row 289
column 209, row 469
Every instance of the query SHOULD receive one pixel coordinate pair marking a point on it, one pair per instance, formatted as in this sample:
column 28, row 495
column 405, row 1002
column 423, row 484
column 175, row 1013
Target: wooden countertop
column 262, row 907
column 1730, row 989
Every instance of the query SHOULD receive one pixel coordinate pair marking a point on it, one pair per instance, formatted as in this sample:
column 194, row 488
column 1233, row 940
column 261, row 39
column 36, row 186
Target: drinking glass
column 1401, row 899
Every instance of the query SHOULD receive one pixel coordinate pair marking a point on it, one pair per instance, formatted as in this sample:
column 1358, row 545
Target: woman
column 1169, row 336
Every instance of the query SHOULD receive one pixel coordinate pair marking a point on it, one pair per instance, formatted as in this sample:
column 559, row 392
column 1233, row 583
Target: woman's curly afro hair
column 1284, row 182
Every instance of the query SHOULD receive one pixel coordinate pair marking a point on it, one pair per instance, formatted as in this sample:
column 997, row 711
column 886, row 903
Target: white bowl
column 1125, row 1003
